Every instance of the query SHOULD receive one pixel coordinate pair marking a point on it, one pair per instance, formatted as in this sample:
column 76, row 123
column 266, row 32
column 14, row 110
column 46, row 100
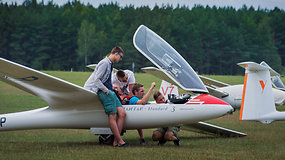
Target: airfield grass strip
column 263, row 141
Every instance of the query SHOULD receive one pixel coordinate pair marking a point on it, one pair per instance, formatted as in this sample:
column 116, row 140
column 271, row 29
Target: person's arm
column 132, row 81
column 145, row 98
column 102, row 69
column 115, row 83
column 130, row 89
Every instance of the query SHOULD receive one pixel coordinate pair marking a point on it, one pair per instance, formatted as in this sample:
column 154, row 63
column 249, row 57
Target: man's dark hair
column 120, row 74
column 156, row 95
column 117, row 49
column 136, row 87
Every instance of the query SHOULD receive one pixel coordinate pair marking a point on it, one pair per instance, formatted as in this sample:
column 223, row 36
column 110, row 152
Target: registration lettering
column 2, row 121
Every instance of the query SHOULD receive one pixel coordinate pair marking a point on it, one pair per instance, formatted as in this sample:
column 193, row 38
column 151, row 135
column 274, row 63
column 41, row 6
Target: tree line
column 211, row 39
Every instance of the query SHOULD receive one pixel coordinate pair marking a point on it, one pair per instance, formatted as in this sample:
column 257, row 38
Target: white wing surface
column 157, row 73
column 56, row 92
column 93, row 66
column 213, row 83
column 206, row 128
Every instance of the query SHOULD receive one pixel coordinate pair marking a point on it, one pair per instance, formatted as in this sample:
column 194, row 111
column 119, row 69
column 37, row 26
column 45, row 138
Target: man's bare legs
column 142, row 140
column 140, row 131
column 157, row 136
column 169, row 136
column 114, row 128
column 121, row 118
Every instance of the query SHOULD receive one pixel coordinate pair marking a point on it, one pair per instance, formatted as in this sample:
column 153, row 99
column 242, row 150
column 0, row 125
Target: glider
column 257, row 99
column 231, row 94
column 72, row 107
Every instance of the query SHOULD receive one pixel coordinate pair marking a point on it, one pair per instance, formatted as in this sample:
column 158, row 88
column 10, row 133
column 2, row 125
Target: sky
column 263, row 4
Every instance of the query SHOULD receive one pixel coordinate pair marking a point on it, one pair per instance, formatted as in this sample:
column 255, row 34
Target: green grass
column 263, row 141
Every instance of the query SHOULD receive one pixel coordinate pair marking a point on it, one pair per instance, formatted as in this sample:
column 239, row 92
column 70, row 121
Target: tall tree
column 86, row 40
column 211, row 39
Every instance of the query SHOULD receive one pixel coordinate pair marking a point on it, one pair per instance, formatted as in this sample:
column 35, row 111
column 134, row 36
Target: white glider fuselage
column 138, row 116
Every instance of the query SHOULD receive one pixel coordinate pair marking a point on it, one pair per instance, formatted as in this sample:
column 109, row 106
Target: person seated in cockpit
column 167, row 133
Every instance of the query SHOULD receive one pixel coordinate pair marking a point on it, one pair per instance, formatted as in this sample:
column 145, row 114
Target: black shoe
column 161, row 142
column 142, row 142
column 124, row 145
column 177, row 142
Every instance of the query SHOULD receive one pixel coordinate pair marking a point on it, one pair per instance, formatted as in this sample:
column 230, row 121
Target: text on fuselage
column 144, row 108
column 2, row 121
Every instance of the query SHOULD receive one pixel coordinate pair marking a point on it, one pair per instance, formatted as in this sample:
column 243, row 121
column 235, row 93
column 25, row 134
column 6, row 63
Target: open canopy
column 275, row 79
column 166, row 58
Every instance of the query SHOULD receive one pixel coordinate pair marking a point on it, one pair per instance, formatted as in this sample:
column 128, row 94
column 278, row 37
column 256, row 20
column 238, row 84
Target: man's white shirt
column 124, row 85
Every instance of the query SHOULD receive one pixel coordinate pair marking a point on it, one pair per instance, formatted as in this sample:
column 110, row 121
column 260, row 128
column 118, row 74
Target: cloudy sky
column 264, row 4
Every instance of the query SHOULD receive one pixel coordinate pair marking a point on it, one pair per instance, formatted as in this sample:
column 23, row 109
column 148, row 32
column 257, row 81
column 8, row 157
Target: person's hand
column 120, row 91
column 152, row 85
column 107, row 92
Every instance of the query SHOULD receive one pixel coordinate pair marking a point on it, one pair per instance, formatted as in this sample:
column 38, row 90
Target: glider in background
column 231, row 94
column 257, row 99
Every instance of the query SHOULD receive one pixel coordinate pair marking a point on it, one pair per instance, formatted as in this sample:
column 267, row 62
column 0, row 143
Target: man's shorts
column 174, row 129
column 110, row 101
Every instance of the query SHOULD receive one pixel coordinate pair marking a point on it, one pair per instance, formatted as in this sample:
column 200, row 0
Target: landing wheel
column 106, row 139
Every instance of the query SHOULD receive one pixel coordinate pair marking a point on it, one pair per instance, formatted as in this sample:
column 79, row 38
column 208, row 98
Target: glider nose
column 231, row 109
column 222, row 107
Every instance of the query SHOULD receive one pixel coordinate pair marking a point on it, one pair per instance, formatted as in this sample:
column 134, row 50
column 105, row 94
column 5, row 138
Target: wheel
column 106, row 139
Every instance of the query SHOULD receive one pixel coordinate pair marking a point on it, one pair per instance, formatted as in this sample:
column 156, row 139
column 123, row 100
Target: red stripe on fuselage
column 206, row 99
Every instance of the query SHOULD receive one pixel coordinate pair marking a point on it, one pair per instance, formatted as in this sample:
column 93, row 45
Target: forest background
column 212, row 40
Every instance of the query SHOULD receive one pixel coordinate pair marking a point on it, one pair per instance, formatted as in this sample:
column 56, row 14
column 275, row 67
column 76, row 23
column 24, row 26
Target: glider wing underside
column 206, row 128
column 56, row 92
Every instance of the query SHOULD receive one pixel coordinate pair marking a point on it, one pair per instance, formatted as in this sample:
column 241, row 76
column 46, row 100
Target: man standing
column 123, row 81
column 139, row 98
column 100, row 83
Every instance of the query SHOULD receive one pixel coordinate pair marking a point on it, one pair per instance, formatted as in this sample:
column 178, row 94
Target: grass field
column 263, row 141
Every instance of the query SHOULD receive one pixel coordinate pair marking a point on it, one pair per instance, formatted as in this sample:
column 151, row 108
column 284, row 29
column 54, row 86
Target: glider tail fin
column 167, row 88
column 257, row 98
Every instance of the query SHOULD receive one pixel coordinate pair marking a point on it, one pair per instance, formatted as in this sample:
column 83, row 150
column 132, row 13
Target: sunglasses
column 120, row 55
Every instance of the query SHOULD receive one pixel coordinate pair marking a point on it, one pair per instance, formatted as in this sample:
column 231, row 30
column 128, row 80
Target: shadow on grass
column 186, row 142
column 51, row 143
column 198, row 138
